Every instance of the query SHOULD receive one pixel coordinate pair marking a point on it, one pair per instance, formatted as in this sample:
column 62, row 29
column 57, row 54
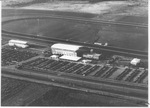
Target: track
column 97, row 47
column 80, row 19
column 86, row 20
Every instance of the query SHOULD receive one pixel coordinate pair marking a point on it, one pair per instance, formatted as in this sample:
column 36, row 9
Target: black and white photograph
column 74, row 53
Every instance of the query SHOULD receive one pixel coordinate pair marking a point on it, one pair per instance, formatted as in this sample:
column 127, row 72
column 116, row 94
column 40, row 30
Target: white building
column 54, row 57
column 65, row 49
column 68, row 51
column 18, row 43
column 72, row 58
column 135, row 61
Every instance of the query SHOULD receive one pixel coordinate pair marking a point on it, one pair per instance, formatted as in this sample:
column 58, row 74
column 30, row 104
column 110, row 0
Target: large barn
column 73, row 52
column 68, row 51
column 65, row 49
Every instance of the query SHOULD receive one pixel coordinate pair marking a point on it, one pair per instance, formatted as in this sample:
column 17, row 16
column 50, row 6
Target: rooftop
column 66, row 46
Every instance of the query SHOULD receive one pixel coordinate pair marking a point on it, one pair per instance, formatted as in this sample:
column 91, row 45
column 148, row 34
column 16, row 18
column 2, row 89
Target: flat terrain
column 116, row 35
column 130, row 11
column 133, row 12
column 20, row 93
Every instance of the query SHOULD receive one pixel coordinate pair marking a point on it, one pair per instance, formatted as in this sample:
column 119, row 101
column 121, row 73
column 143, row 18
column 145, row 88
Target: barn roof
column 18, row 41
column 66, row 46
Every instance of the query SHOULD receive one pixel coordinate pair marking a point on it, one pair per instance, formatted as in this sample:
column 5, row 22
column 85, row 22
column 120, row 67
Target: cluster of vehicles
column 12, row 55
column 96, row 71
column 49, row 62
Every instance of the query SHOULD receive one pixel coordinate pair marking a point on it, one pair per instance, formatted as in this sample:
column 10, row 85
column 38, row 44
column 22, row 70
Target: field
column 20, row 93
column 125, row 11
column 115, row 35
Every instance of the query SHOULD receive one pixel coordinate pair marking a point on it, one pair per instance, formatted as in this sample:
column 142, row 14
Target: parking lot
column 12, row 55
column 116, row 73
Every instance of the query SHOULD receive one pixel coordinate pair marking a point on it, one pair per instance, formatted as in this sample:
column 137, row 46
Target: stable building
column 18, row 43
column 67, row 51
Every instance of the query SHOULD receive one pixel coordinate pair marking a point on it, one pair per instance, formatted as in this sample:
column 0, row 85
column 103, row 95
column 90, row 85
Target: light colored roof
column 66, row 46
column 135, row 61
column 54, row 56
column 73, row 58
column 21, row 45
column 18, row 41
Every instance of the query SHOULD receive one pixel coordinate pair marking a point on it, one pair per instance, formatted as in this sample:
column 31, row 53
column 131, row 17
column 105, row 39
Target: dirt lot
column 98, row 8
column 131, row 7
column 104, row 10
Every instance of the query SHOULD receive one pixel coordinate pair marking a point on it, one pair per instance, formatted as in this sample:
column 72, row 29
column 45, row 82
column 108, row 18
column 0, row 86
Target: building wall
column 64, row 52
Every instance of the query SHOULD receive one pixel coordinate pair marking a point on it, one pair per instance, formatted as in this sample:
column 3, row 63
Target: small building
column 92, row 56
column 72, row 58
column 97, row 43
column 86, row 61
column 102, row 44
column 135, row 61
column 18, row 43
column 54, row 57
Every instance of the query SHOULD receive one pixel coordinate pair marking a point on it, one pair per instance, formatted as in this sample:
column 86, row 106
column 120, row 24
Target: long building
column 68, row 52
column 65, row 49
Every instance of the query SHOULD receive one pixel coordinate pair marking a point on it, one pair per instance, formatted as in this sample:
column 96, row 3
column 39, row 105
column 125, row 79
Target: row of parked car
column 47, row 64
column 11, row 55
column 132, row 75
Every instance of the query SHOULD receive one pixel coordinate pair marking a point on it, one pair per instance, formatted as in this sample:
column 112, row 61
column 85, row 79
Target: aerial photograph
column 74, row 53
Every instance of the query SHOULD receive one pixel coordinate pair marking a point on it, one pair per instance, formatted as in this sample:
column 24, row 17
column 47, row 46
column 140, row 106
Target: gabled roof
column 66, row 46
column 18, row 41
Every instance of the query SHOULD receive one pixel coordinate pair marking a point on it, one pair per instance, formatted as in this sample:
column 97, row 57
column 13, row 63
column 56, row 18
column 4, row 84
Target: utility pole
column 38, row 28
column 96, row 36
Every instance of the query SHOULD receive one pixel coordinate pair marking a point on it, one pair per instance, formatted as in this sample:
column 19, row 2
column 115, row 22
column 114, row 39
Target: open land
column 130, row 11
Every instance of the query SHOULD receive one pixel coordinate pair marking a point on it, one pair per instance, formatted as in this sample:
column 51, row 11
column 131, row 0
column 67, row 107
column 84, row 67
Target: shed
column 73, row 58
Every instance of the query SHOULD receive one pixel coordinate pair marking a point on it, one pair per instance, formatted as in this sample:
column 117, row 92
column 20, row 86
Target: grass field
column 115, row 35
